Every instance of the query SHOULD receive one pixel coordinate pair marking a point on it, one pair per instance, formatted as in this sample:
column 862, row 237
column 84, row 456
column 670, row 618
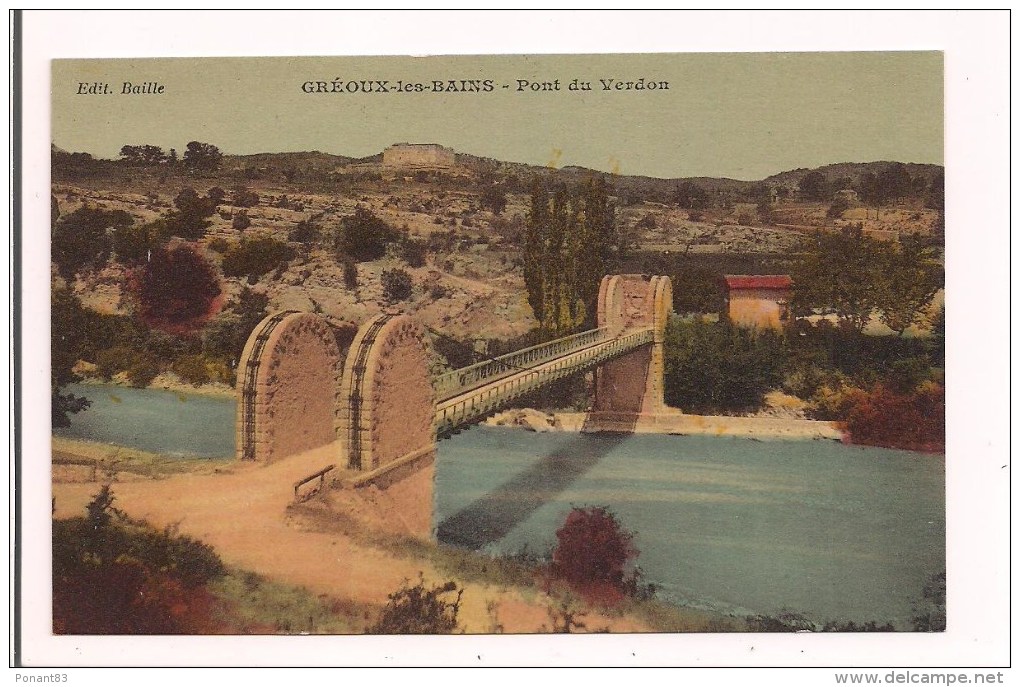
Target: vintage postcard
column 506, row 345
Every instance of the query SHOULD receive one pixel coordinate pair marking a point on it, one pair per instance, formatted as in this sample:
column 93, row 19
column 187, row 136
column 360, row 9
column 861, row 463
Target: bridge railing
column 498, row 393
column 465, row 379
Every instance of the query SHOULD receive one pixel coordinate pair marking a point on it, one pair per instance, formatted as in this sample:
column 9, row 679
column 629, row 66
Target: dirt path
column 241, row 511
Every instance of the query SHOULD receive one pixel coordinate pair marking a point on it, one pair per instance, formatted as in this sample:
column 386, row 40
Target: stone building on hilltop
column 418, row 156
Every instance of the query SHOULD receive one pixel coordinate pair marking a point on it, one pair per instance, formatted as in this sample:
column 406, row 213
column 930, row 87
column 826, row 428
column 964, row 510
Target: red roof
column 758, row 281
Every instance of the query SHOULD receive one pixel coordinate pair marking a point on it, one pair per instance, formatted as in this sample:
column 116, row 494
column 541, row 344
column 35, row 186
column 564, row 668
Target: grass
column 521, row 572
column 251, row 604
column 107, row 459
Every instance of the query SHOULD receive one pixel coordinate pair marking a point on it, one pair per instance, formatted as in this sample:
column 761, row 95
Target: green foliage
column 691, row 196
column 142, row 155
column 397, row 285
column 256, row 256
column 81, row 239
column 224, row 338
column 111, row 576
column 176, row 288
column 419, row 610
column 815, row 186
column 304, row 232
column 190, row 219
column 930, row 615
column 132, row 244
column 140, row 367
column 570, row 244
column 414, row 252
column 911, row 276
column 717, row 367
column 363, row 236
column 493, row 198
column 67, row 334
column 839, row 205
column 698, row 290
column 202, row 157
column 240, row 221
column 350, row 273
column 841, row 271
column 219, row 245
column 192, row 369
column 244, row 198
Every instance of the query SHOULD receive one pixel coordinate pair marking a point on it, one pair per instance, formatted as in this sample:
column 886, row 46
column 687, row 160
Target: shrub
column 915, row 421
column 132, row 244
column 397, row 285
column 142, row 370
column 245, row 198
column 717, row 367
column 176, row 288
column 350, row 274
column 192, row 369
column 364, row 236
column 80, row 239
column 419, row 610
column 111, row 576
column 304, row 232
column 594, row 552
column 413, row 251
column 256, row 256
column 219, row 244
column 240, row 221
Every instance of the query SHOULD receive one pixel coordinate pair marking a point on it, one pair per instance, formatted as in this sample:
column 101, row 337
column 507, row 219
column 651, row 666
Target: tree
column 190, row 219
column 912, row 275
column 363, row 236
column 420, row 611
column 202, row 157
column 133, row 244
column 142, row 155
column 256, row 256
column 68, row 325
column 82, row 239
column 397, row 285
column 494, row 199
column 815, row 186
column 176, row 288
column 691, row 196
column 841, row 272
column 570, row 244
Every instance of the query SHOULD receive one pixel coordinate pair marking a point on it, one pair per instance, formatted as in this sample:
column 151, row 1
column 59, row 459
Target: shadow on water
column 493, row 516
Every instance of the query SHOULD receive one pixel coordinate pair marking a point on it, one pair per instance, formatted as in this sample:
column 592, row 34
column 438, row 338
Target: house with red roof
column 759, row 300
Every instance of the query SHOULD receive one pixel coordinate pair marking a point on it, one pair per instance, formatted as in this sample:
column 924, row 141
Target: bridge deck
column 478, row 398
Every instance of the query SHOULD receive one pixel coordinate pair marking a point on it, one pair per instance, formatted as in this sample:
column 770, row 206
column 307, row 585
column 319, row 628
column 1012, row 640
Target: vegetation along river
column 733, row 524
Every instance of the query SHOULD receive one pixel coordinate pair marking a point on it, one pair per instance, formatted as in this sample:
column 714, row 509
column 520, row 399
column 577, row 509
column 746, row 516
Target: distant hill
column 852, row 171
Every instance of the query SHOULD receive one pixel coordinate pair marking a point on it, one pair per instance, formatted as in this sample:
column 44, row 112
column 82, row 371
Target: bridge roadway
column 469, row 394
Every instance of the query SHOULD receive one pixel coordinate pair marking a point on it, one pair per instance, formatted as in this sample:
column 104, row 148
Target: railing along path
column 468, row 394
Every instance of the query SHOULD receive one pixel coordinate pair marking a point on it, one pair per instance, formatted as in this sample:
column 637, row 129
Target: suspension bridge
column 385, row 411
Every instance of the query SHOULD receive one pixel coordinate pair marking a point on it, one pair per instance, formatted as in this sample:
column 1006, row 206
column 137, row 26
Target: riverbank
column 674, row 423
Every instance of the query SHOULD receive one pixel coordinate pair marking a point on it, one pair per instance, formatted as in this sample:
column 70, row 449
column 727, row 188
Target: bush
column 364, row 236
column 132, row 244
column 397, row 285
column 350, row 274
column 245, row 198
column 594, row 552
column 220, row 245
column 80, row 239
column 240, row 221
column 717, row 367
column 192, row 369
column 111, row 576
column 413, row 251
column 256, row 256
column 420, row 611
column 914, row 421
column 176, row 288
column 304, row 232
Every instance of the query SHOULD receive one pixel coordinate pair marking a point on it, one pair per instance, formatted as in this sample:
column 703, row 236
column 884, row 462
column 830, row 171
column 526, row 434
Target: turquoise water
column 186, row 425
column 730, row 524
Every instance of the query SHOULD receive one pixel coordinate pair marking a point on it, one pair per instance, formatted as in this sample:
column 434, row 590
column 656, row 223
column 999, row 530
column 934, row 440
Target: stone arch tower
column 387, row 415
column 287, row 384
column 629, row 389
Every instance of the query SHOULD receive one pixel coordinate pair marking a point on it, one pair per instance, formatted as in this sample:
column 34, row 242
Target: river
column 730, row 524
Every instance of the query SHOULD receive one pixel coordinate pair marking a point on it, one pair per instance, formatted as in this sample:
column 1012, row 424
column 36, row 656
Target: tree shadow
column 493, row 516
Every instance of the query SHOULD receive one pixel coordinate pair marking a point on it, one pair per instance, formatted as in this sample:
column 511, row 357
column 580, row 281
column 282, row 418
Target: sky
column 737, row 115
